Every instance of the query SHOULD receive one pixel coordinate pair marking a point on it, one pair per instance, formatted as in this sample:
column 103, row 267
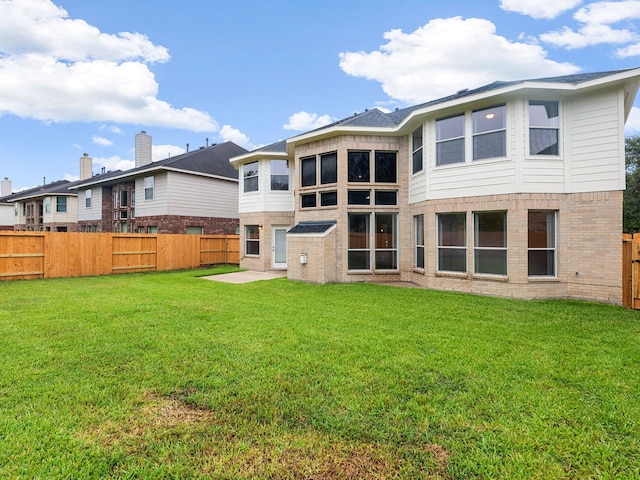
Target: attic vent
column 462, row 91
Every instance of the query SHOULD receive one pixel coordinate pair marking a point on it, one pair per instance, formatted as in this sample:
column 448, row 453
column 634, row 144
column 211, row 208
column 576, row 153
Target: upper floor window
column 124, row 198
column 47, row 204
column 250, row 174
column 416, row 145
column 489, row 133
column 61, row 204
column 329, row 168
column 450, row 140
column 279, row 175
column 87, row 198
column 148, row 188
column 385, row 167
column 16, row 208
column 358, row 166
column 308, row 171
column 544, row 126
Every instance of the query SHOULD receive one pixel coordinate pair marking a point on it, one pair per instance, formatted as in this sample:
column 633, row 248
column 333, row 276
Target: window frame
column 485, row 245
column 61, row 204
column 252, row 238
column 553, row 233
column 328, row 175
column 308, row 171
column 441, row 140
column 551, row 127
column 329, row 198
column 356, row 172
column 443, row 248
column 381, row 165
column 353, row 246
column 278, row 177
column 418, row 240
column 496, row 112
column 149, row 187
column 417, row 151
column 87, row 198
column 250, row 177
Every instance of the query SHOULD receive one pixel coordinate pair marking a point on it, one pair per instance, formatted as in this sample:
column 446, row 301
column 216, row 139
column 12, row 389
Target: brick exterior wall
column 179, row 224
column 268, row 220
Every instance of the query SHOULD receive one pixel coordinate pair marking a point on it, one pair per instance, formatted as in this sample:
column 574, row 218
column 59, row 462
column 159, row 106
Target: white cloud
column 230, row 134
column 539, row 8
column 632, row 127
column 112, row 129
column 113, row 163
column 105, row 142
column 160, row 152
column 70, row 177
column 597, row 19
column 303, row 121
column 412, row 70
column 57, row 69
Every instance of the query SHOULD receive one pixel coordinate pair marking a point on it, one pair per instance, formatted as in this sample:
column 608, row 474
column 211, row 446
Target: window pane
column 489, row 119
column 450, row 152
column 358, row 230
column 416, row 138
column 543, row 141
column 419, row 257
column 328, row 199
column 386, row 197
column 417, row 161
column 542, row 263
column 493, row 262
column 386, row 230
column 358, row 163
column 386, row 260
column 329, row 168
column 490, row 145
column 359, row 197
column 544, row 114
column 386, row 167
column 359, row 260
column 308, row 169
column 490, row 229
column 452, row 127
column 253, row 232
column 279, row 175
column 451, row 229
column 308, row 200
column 251, row 169
column 250, row 184
column 541, row 229
column 452, row 260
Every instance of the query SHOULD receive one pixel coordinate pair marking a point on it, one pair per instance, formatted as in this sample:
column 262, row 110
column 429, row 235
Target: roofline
column 536, row 84
column 43, row 194
column 148, row 170
column 241, row 159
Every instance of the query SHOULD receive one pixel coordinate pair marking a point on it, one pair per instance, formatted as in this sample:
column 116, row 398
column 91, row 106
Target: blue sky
column 84, row 76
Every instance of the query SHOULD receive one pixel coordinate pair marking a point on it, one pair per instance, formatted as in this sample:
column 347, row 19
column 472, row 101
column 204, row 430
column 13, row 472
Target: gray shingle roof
column 320, row 226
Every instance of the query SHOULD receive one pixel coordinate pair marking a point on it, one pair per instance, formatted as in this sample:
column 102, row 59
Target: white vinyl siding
column 192, row 195
column 266, row 199
column 69, row 216
column 158, row 205
column 95, row 211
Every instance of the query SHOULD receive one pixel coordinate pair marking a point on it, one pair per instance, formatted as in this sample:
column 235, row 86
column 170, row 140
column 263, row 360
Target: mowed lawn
column 172, row 376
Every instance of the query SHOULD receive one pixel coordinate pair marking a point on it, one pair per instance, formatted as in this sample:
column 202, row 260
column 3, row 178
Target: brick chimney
column 143, row 149
column 86, row 167
column 6, row 187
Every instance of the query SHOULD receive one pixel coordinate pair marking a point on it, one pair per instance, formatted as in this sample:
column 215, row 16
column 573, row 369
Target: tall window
column 61, row 204
column 489, row 133
column 542, row 243
column 329, row 168
column 386, row 241
column 308, row 171
column 544, row 125
column 416, row 142
column 385, row 167
column 450, row 140
column 358, row 167
column 47, row 204
column 124, row 198
column 452, row 243
column 252, row 240
column 418, row 226
column 359, row 252
column 148, row 188
column 279, row 175
column 87, row 198
column 490, row 243
column 250, row 174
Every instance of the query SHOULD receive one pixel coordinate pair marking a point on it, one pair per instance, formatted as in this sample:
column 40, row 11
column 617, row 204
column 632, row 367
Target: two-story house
column 511, row 189
column 195, row 192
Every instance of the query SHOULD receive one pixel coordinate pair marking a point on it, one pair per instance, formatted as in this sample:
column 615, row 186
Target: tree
column 631, row 208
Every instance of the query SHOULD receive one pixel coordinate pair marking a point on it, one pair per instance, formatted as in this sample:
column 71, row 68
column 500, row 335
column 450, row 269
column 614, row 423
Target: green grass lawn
column 172, row 376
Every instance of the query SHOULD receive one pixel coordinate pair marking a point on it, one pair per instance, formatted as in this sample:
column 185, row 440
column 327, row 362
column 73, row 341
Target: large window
column 328, row 199
column 279, row 175
column 490, row 243
column 544, row 125
column 450, row 140
column 542, row 243
column 252, row 240
column 489, row 133
column 358, row 166
column 87, row 198
column 418, row 227
column 359, row 253
column 416, row 145
column 61, row 204
column 329, row 168
column 308, row 200
column 359, row 197
column 148, row 188
column 308, row 171
column 124, row 198
column 386, row 241
column 47, row 204
column 250, row 174
column 386, row 168
column 452, row 243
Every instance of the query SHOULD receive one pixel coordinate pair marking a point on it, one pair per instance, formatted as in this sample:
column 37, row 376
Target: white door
column 279, row 248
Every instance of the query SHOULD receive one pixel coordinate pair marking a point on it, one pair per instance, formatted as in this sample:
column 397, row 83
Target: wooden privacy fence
column 631, row 271
column 28, row 255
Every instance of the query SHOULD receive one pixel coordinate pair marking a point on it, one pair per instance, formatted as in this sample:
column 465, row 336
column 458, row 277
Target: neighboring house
column 511, row 189
column 6, row 207
column 196, row 192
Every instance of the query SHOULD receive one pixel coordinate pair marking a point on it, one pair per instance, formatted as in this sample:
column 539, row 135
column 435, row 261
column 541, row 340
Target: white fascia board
column 199, row 174
column 240, row 160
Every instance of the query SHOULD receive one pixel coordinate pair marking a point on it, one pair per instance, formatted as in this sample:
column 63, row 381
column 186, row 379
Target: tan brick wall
column 267, row 220
column 321, row 254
